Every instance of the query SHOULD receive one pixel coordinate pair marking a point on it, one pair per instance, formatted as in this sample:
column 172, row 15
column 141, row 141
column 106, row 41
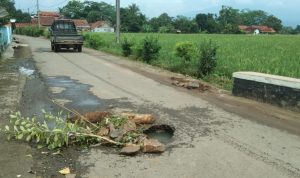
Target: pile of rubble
column 189, row 84
column 128, row 129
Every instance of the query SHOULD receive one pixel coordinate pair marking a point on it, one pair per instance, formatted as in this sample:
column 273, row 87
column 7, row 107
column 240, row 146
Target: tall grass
column 272, row 54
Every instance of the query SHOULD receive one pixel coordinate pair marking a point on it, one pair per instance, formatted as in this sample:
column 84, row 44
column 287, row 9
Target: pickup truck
column 63, row 34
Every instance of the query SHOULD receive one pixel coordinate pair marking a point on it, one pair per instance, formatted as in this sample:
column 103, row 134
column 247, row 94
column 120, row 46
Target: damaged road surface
column 210, row 140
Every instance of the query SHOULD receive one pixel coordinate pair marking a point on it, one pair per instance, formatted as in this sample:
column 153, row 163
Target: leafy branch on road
column 54, row 131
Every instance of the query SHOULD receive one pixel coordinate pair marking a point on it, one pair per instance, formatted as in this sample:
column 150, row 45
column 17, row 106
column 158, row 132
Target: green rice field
column 272, row 54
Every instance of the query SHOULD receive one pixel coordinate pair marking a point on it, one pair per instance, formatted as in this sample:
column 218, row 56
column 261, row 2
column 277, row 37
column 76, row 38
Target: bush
column 34, row 31
column 127, row 47
column 185, row 50
column 207, row 58
column 150, row 48
column 93, row 40
column 46, row 34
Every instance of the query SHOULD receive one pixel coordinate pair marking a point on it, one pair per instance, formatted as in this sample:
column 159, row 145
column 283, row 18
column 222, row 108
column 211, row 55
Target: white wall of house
column 105, row 28
column 102, row 29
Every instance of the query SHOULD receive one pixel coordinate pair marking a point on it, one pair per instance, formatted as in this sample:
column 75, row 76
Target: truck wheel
column 79, row 48
column 56, row 48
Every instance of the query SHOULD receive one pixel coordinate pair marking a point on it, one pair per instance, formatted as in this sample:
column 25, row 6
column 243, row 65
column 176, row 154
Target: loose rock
column 129, row 126
column 140, row 118
column 103, row 131
column 153, row 146
column 130, row 149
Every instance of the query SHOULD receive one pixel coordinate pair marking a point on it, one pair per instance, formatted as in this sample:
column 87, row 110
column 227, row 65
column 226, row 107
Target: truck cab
column 63, row 34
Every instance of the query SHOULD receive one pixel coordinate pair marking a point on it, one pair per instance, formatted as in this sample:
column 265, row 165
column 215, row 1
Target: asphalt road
column 237, row 140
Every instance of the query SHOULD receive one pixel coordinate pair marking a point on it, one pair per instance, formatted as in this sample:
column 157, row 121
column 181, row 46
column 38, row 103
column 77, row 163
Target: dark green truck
column 63, row 34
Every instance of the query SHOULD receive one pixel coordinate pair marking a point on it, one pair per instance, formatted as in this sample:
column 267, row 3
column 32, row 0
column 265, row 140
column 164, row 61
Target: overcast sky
column 287, row 10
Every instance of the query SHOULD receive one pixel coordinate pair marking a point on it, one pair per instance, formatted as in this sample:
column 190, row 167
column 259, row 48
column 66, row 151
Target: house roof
column 47, row 20
column 97, row 24
column 261, row 28
column 20, row 25
column 81, row 23
column 49, row 14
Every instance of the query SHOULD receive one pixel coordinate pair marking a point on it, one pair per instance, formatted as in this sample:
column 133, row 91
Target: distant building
column 257, row 29
column 46, row 18
column 81, row 24
column 102, row 26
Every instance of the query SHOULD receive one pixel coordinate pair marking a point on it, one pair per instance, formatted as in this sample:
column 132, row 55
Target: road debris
column 130, row 149
column 153, row 146
column 127, row 130
column 140, row 118
column 65, row 171
column 190, row 84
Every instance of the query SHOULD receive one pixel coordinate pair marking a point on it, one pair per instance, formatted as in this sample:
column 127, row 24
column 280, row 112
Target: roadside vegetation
column 34, row 31
column 272, row 54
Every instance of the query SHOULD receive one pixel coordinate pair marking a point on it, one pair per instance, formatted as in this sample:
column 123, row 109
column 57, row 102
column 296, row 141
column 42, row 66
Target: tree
column 9, row 6
column 253, row 17
column 288, row 30
column 229, row 15
column 74, row 10
column 166, row 29
column 22, row 17
column 147, row 28
column 164, row 21
column 274, row 22
column 132, row 19
column 185, row 25
column 95, row 11
column 93, row 16
column 297, row 29
column 207, row 22
column 229, row 19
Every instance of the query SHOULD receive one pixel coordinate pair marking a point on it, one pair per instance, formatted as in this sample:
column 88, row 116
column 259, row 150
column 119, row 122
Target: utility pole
column 38, row 12
column 118, row 21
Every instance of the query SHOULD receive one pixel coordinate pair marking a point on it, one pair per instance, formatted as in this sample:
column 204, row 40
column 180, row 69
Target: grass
column 272, row 54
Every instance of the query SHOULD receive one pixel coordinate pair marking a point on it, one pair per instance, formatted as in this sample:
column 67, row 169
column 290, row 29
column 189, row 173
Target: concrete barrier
column 277, row 90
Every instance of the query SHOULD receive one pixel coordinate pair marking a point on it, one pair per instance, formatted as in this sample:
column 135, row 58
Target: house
column 102, row 26
column 256, row 29
column 46, row 18
column 82, row 25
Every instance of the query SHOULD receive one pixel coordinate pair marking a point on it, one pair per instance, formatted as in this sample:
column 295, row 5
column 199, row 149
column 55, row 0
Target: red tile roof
column 49, row 14
column 81, row 23
column 263, row 29
column 97, row 24
column 47, row 20
column 21, row 25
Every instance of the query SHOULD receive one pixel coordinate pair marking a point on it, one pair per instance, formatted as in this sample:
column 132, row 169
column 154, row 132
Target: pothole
column 162, row 133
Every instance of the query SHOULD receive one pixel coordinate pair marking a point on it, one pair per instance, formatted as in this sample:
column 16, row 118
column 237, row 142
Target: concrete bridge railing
column 277, row 90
